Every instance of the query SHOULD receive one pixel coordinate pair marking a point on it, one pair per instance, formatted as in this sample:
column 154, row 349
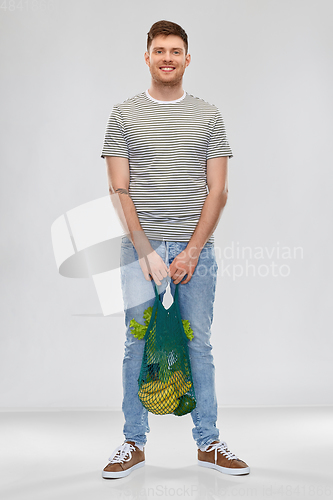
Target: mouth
column 167, row 69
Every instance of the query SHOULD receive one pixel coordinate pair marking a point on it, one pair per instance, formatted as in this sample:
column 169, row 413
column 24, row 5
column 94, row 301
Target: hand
column 184, row 263
column 153, row 267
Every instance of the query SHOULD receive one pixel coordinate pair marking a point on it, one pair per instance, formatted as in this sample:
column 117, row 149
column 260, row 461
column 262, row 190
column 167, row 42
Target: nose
column 167, row 57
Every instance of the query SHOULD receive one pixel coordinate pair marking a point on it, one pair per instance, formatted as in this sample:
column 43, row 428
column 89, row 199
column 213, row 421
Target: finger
column 175, row 274
column 162, row 275
column 179, row 277
column 157, row 280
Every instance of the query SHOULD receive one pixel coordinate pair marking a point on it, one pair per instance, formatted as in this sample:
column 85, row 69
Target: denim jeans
column 196, row 300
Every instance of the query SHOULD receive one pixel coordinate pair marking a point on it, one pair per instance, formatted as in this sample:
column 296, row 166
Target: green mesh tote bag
column 165, row 381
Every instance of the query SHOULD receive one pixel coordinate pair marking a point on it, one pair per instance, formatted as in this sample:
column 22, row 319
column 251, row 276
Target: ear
column 147, row 60
column 187, row 59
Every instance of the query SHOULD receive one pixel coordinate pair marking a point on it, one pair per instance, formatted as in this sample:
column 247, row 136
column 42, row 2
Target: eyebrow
column 174, row 48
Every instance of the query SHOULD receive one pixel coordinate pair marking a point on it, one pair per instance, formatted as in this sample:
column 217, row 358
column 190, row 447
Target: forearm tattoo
column 121, row 191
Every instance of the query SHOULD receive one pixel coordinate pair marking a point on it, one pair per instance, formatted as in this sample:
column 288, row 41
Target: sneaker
column 123, row 460
column 217, row 456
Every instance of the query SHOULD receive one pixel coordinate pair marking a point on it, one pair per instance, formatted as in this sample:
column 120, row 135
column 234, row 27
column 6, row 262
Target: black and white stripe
column 167, row 144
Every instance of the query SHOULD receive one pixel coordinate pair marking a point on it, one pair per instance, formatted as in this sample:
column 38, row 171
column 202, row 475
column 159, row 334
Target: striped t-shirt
column 167, row 144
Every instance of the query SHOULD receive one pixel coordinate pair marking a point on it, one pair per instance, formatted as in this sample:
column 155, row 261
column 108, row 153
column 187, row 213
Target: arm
column 217, row 181
column 118, row 179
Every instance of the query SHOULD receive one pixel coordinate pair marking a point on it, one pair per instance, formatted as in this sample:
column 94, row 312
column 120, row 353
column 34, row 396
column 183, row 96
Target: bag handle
column 157, row 294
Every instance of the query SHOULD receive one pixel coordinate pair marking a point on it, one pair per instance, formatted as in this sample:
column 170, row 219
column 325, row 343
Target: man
column 163, row 148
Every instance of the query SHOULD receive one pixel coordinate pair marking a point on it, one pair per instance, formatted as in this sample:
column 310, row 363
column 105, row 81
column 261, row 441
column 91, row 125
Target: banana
column 160, row 397
column 183, row 390
column 156, row 396
column 163, row 407
column 180, row 383
column 154, row 386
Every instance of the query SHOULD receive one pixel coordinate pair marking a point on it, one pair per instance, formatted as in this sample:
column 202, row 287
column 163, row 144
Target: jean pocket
column 126, row 242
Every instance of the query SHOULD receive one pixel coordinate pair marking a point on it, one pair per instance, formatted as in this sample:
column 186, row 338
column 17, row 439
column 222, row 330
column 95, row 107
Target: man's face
column 167, row 60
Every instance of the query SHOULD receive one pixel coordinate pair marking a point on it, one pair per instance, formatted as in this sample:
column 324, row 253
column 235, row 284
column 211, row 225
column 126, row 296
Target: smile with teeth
column 167, row 68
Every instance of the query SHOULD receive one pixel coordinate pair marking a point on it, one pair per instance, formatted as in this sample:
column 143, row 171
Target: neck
column 166, row 92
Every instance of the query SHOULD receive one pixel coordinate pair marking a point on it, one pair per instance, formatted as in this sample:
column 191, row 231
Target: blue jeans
column 196, row 300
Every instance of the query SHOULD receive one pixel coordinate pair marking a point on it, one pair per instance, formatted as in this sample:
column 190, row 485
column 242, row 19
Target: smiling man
column 167, row 159
column 167, row 63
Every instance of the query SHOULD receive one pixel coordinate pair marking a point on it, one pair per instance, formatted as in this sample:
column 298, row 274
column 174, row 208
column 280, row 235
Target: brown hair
column 166, row 28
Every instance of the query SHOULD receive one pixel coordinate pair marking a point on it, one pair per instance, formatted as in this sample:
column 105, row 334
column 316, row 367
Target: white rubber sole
column 107, row 474
column 225, row 470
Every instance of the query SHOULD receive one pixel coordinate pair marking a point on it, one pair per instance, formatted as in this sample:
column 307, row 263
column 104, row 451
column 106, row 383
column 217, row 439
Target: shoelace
column 120, row 453
column 222, row 447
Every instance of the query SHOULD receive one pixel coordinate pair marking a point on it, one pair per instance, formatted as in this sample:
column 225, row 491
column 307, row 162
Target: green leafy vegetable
column 147, row 315
column 139, row 330
column 187, row 329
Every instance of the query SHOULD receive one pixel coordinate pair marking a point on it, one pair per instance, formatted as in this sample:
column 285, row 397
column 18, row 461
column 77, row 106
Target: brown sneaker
column 123, row 460
column 217, row 456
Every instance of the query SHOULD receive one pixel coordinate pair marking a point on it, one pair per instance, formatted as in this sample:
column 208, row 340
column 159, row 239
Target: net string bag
column 165, row 380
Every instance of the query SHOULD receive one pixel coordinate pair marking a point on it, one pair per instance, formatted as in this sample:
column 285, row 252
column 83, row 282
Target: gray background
column 267, row 65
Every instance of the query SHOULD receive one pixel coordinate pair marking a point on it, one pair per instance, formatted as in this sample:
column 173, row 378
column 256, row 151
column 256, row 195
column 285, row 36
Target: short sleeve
column 218, row 142
column 114, row 141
